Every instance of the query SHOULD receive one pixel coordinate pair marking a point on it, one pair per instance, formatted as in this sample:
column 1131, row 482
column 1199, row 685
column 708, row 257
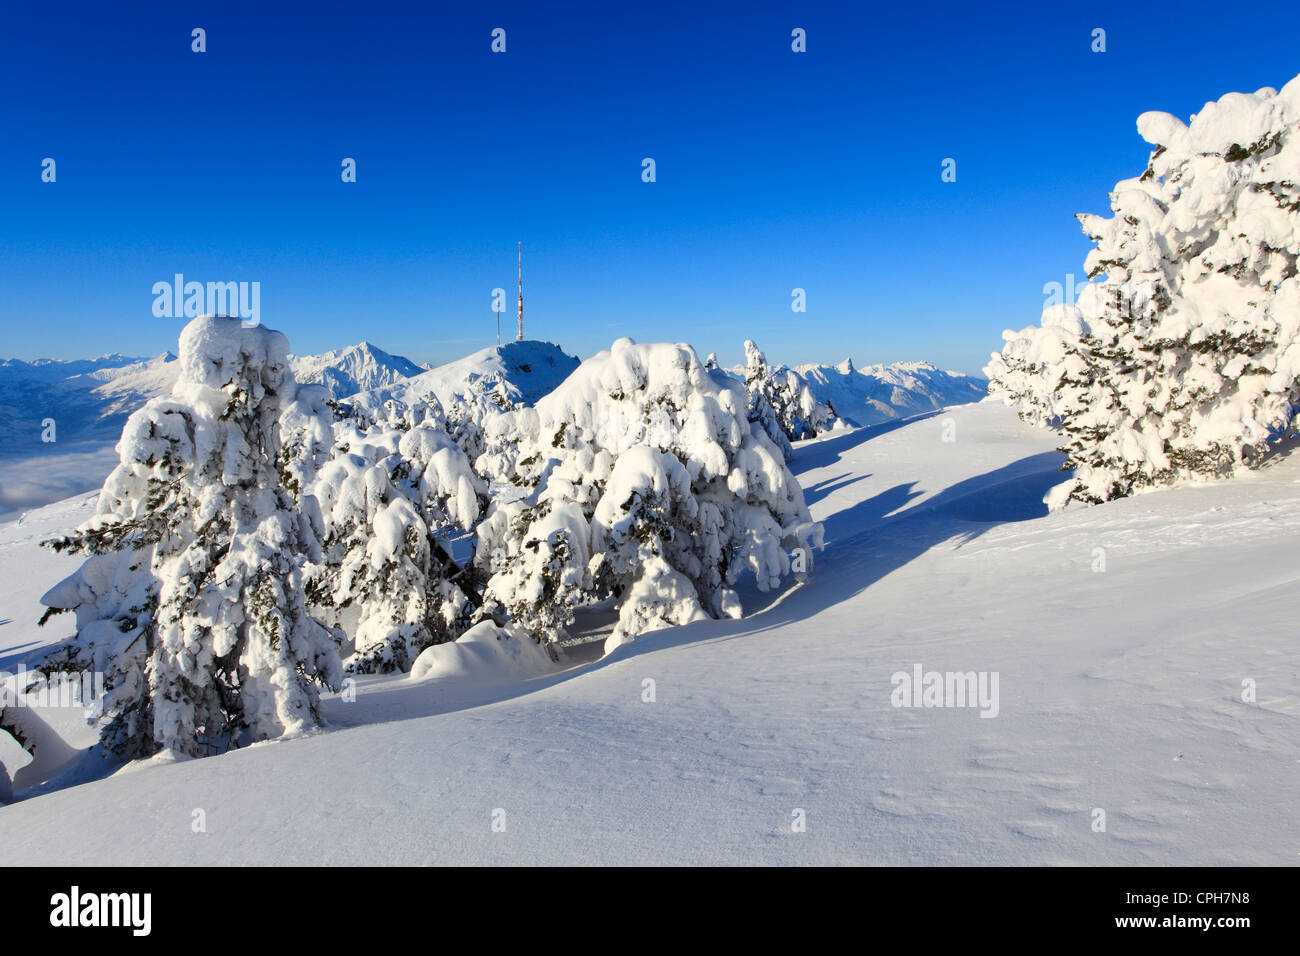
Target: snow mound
column 484, row 653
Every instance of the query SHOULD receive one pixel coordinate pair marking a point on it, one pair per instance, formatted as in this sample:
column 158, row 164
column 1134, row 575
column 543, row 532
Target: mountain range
column 89, row 400
column 880, row 393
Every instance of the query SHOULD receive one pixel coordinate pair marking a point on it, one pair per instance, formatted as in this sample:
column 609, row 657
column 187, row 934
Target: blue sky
column 775, row 170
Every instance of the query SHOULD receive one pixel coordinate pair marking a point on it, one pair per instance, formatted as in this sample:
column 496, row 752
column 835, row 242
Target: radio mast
column 521, row 292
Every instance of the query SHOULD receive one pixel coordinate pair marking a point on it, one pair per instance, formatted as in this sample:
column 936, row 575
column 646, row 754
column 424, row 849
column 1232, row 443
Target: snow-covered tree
column 462, row 418
column 115, row 596
column 642, row 479
column 307, row 438
column 389, row 495
column 192, row 598
column 1188, row 361
column 782, row 403
column 1030, row 373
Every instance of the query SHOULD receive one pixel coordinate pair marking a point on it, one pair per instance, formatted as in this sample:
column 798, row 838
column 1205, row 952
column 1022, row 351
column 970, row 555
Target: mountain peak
column 526, row 370
column 353, row 368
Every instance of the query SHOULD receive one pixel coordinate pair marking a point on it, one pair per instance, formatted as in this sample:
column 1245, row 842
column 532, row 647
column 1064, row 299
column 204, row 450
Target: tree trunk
column 460, row 577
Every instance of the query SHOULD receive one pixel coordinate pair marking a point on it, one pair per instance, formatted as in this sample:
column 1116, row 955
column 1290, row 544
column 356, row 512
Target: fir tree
column 197, row 555
column 1187, row 361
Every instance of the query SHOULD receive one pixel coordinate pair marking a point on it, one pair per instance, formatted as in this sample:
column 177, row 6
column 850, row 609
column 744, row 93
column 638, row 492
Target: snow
column 651, row 484
column 1119, row 689
column 28, row 570
column 90, row 401
column 484, row 653
column 1027, row 373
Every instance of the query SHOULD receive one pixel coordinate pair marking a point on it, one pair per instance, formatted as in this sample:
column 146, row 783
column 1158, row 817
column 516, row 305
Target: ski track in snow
column 1120, row 690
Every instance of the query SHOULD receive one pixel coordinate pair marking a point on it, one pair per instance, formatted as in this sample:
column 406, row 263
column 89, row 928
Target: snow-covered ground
column 1121, row 635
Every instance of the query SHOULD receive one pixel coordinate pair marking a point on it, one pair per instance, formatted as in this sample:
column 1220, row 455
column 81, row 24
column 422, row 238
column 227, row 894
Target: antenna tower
column 521, row 292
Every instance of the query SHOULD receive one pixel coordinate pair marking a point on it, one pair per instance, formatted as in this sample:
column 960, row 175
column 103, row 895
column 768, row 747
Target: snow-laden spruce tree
column 393, row 489
column 115, row 596
column 1189, row 364
column 1030, row 373
column 307, row 426
column 192, row 599
column 641, row 479
column 781, row 401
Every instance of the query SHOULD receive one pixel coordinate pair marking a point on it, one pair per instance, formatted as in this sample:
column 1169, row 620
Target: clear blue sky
column 775, row 169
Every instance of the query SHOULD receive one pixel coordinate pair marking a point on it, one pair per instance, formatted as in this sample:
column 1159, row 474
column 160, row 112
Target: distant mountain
column 89, row 400
column 520, row 372
column 353, row 369
column 881, row 393
column 53, row 370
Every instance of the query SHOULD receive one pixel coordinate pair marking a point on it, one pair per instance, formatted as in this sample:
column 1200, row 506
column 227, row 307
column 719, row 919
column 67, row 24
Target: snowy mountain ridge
column 47, row 369
column 353, row 369
column 90, row 399
column 879, row 393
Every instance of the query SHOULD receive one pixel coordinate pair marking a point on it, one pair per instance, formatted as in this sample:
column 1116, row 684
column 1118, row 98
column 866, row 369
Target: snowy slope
column 526, row 370
column 881, row 393
column 1119, row 690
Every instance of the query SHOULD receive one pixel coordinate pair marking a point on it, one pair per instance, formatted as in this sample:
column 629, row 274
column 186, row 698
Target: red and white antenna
column 521, row 292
